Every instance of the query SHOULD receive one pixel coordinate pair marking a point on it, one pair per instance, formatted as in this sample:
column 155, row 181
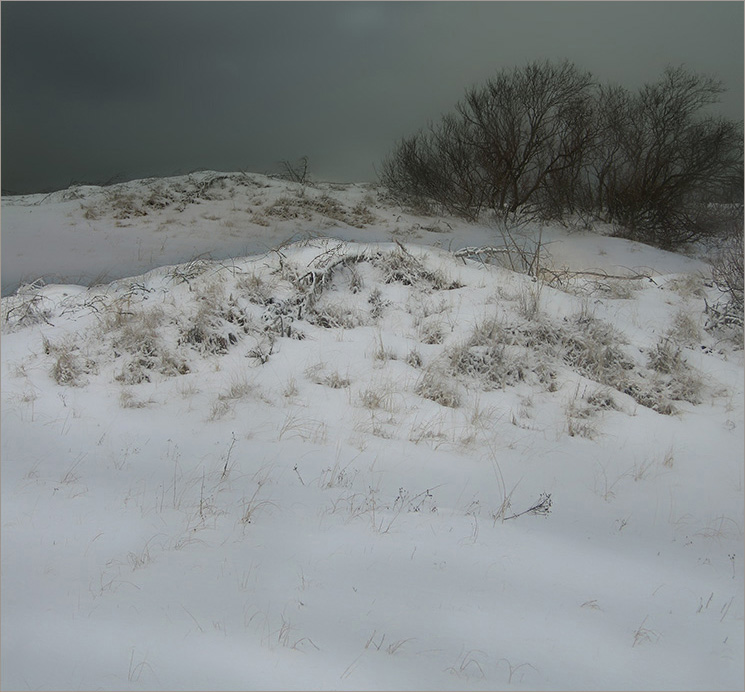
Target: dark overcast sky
column 94, row 89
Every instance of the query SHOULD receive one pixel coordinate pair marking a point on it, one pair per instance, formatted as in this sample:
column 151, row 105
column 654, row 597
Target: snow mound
column 372, row 465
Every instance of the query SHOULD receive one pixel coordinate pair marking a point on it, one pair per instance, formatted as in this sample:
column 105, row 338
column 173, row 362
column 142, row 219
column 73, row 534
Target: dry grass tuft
column 436, row 385
column 685, row 329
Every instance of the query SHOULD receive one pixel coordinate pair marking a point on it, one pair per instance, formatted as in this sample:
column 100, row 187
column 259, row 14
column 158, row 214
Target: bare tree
column 530, row 128
column 544, row 141
column 728, row 270
column 514, row 146
column 437, row 165
column 658, row 165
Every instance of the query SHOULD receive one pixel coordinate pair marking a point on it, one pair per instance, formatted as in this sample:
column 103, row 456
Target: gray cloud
column 91, row 89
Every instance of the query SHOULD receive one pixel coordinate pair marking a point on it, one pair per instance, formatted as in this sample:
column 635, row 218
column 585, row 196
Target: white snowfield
column 351, row 448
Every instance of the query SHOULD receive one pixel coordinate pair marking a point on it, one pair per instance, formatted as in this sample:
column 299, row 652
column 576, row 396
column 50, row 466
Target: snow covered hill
column 89, row 234
column 347, row 450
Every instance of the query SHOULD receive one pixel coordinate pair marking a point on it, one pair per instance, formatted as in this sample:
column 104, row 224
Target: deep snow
column 238, row 472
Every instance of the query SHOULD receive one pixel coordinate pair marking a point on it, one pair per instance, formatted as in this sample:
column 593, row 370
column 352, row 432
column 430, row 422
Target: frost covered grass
column 369, row 465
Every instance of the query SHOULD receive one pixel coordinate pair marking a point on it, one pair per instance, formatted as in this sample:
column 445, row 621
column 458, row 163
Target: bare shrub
column 436, row 168
column 728, row 268
column 727, row 315
column 524, row 251
column 659, row 165
column 295, row 172
column 523, row 129
column 547, row 142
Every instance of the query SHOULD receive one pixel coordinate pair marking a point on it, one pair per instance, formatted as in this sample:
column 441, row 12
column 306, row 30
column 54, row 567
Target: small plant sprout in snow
column 290, row 389
column 136, row 670
column 642, row 469
column 252, row 505
column 228, row 465
column 391, row 649
column 381, row 353
column 669, row 458
column 468, row 665
column 529, row 300
column 540, row 508
column 514, row 668
column 644, row 635
column 338, row 475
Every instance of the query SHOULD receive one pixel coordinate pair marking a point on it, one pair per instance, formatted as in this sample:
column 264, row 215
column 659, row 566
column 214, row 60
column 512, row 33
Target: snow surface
column 89, row 233
column 297, row 465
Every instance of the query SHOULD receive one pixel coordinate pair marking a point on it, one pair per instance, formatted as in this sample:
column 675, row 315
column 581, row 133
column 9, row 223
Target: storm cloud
column 95, row 89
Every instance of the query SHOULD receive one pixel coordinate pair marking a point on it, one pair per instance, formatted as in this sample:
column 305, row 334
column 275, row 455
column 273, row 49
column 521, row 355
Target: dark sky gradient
column 95, row 89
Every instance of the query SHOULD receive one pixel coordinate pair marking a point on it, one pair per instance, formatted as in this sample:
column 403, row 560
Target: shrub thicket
column 729, row 270
column 547, row 142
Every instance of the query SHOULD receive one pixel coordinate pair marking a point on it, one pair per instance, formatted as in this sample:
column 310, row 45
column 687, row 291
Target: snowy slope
column 91, row 234
column 359, row 460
